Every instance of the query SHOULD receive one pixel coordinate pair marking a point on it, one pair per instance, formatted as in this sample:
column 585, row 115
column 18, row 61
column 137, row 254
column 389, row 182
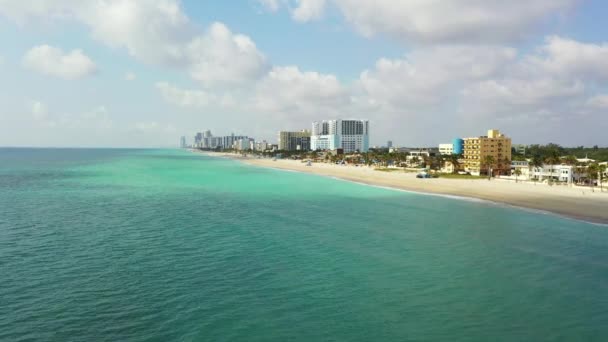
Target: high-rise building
column 389, row 144
column 198, row 138
column 207, row 140
column 242, row 144
column 478, row 149
column 349, row 135
column 182, row 142
column 294, row 141
column 228, row 141
column 261, row 145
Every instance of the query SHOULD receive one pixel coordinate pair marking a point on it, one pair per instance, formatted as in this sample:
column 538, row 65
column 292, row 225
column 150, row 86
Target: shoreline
column 567, row 202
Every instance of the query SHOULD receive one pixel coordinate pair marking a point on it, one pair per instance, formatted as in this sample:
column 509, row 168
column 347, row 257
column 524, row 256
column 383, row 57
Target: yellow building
column 476, row 151
column 294, row 141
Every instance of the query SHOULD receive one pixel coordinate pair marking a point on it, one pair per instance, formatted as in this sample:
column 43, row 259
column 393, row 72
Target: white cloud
column 599, row 101
column 130, row 76
column 434, row 21
column 560, row 72
column 219, row 56
column 426, row 76
column 155, row 32
column 301, row 10
column 185, row 97
column 53, row 61
column 570, row 58
column 289, row 91
column 271, row 5
column 449, row 84
column 307, row 10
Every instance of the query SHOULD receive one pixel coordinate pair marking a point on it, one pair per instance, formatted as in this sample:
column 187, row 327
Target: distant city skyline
column 143, row 73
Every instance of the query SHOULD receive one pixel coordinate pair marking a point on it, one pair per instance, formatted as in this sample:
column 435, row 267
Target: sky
column 142, row 73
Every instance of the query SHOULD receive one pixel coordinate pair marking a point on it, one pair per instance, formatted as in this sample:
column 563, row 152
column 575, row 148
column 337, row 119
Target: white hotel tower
column 350, row 135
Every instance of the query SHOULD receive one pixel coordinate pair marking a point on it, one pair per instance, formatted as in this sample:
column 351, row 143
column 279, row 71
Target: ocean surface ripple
column 164, row 245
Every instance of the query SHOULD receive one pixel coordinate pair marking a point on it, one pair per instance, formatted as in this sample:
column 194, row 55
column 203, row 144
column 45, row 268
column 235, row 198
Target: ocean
column 168, row 245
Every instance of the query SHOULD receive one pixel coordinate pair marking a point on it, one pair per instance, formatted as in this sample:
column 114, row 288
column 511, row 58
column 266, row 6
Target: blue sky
column 143, row 73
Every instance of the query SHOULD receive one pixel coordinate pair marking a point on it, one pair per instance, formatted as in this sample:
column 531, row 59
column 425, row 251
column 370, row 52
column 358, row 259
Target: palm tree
column 454, row 160
column 602, row 171
column 415, row 160
column 488, row 161
column 517, row 173
column 553, row 158
column 570, row 160
column 592, row 173
column 537, row 162
column 437, row 162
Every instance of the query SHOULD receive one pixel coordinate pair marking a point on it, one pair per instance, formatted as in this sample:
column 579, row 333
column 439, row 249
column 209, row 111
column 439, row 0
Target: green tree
column 537, row 162
column 553, row 157
column 454, row 159
column 416, row 160
column 602, row 173
column 570, row 160
column 517, row 173
column 488, row 162
column 593, row 173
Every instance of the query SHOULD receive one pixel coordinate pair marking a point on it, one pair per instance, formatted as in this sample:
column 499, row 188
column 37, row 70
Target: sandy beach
column 574, row 202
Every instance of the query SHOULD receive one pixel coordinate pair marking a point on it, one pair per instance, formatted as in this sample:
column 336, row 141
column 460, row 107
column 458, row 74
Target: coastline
column 575, row 203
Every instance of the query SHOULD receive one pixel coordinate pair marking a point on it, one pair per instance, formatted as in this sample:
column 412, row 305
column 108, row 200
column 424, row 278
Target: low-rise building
column 446, row 149
column 524, row 169
column 559, row 173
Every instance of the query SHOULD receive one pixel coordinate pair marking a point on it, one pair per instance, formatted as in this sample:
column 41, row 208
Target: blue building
column 458, row 144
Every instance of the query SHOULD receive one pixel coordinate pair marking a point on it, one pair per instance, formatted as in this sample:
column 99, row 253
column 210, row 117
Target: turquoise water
column 160, row 245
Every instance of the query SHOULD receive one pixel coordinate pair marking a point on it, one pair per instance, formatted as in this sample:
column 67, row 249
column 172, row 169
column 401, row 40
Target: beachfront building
column 243, row 144
column 197, row 139
column 524, row 169
column 446, row 149
column 294, row 141
column 182, row 142
column 557, row 173
column 348, row 135
column 262, row 145
column 478, row 149
column 456, row 147
column 206, row 140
